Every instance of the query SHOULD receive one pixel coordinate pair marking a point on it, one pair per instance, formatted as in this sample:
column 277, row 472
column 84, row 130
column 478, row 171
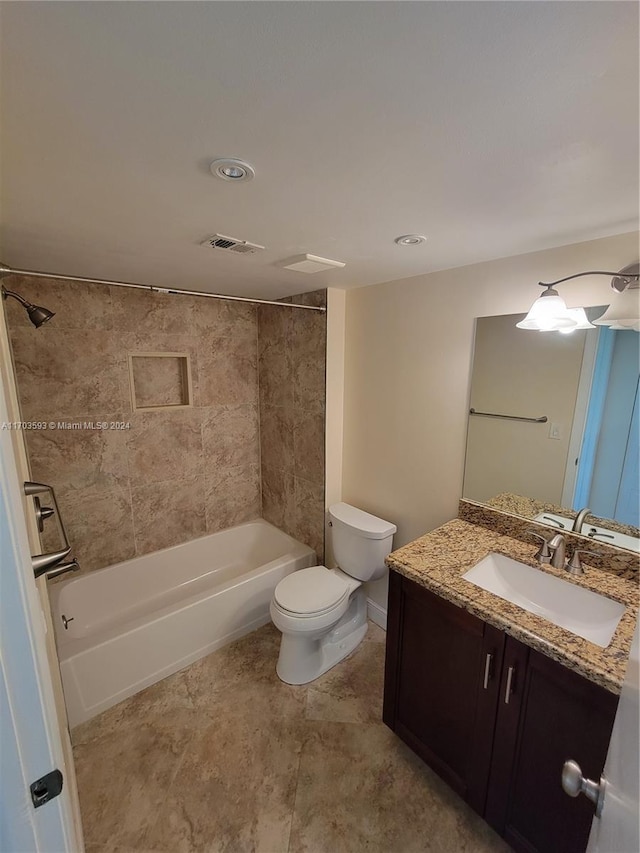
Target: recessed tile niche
column 160, row 380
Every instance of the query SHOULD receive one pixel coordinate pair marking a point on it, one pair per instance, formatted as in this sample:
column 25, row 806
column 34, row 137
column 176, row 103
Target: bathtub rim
column 67, row 647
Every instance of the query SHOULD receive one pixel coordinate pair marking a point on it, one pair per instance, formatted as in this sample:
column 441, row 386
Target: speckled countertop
column 530, row 508
column 438, row 560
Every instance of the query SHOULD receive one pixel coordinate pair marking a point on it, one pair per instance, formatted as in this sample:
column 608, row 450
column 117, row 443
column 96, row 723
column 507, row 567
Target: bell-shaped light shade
column 624, row 311
column 582, row 321
column 548, row 313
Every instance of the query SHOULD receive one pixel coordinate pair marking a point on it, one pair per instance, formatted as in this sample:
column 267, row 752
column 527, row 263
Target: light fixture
column 624, row 311
column 232, row 169
column 550, row 313
column 581, row 320
column 410, row 240
column 37, row 314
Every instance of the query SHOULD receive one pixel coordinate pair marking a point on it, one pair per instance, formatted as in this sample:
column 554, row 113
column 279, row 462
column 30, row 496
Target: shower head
column 37, row 314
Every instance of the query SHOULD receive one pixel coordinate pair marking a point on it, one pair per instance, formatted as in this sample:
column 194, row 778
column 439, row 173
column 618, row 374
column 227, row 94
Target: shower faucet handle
column 42, row 513
column 43, row 563
column 31, row 490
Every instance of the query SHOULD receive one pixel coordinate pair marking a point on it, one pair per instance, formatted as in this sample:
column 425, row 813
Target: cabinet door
column 441, row 685
column 552, row 714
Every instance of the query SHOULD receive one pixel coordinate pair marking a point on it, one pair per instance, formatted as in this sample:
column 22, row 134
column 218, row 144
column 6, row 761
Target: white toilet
column 322, row 612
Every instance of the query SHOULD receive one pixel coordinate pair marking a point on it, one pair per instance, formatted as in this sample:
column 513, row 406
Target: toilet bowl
column 321, row 612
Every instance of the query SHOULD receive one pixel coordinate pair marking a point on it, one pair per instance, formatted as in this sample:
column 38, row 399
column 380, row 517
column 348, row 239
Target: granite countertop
column 438, row 560
column 530, row 508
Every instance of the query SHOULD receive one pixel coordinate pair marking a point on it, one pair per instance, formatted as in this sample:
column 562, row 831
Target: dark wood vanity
column 494, row 718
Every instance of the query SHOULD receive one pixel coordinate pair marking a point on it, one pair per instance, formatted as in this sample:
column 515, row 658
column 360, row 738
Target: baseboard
column 377, row 614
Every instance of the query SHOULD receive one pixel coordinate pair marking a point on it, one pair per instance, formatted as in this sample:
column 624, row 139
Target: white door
column 34, row 736
column 618, row 830
column 30, row 741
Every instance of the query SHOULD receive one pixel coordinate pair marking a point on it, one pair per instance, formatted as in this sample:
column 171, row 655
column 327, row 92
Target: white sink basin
column 587, row 614
column 593, row 531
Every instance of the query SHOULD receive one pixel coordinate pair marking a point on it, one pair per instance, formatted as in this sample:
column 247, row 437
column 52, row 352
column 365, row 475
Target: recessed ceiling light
column 231, row 169
column 410, row 240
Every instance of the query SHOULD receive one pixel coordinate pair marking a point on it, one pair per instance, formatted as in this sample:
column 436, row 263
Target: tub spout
column 62, row 569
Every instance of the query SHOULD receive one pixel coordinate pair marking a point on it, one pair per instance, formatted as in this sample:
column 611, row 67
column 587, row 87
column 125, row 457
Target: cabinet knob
column 574, row 783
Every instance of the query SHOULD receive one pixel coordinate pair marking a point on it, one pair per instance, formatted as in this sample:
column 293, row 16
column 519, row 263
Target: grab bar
column 41, row 563
column 541, row 420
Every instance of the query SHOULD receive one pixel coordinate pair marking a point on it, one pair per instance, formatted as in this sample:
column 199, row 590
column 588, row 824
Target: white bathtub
column 136, row 622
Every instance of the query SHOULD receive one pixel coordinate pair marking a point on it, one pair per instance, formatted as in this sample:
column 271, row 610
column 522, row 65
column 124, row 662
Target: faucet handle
column 543, row 554
column 574, row 565
column 593, row 533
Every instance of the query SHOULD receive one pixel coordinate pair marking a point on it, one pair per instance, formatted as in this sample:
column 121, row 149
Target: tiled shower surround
column 174, row 474
column 292, row 356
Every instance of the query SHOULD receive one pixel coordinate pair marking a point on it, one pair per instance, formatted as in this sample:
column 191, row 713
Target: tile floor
column 224, row 757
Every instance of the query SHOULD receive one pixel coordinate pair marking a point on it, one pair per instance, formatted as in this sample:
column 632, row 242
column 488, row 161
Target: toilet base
column 303, row 658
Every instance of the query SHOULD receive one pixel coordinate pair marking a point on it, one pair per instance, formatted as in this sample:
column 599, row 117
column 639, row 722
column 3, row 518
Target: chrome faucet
column 558, row 548
column 554, row 552
column 579, row 519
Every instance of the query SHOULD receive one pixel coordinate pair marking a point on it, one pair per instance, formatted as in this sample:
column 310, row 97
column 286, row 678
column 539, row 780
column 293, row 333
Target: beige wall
column 407, row 370
column 531, row 375
column 175, row 474
column 292, row 346
column 336, row 304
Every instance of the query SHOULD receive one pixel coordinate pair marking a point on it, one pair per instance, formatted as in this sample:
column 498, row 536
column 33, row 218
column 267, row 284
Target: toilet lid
column 310, row 591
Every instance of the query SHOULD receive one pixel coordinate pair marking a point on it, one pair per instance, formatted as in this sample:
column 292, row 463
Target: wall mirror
column 553, row 427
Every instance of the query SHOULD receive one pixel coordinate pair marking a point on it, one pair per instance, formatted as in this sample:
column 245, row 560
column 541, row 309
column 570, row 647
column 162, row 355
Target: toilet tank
column 361, row 541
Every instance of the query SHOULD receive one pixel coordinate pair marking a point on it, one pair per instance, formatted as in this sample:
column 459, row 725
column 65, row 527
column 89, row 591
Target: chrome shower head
column 37, row 314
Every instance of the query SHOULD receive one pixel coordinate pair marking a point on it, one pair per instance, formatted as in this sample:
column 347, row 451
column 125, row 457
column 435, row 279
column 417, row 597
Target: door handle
column 510, row 684
column 41, row 563
column 574, row 783
column 487, row 671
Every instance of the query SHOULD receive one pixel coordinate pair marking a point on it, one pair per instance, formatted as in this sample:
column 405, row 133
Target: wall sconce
column 550, row 313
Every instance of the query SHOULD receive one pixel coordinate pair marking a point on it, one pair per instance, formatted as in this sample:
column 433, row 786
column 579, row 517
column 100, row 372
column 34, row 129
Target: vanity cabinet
column 494, row 718
column 435, row 675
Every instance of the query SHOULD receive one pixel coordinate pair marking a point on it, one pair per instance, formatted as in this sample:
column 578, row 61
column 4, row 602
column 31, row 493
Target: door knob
column 574, row 783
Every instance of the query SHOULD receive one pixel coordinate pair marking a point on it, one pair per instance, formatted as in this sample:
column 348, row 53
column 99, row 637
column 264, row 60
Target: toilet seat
column 311, row 592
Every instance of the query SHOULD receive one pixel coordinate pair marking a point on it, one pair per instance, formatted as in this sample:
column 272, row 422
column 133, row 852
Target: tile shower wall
column 292, row 355
column 175, row 474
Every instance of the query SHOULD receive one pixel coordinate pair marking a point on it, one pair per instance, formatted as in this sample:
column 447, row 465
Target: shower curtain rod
column 5, row 270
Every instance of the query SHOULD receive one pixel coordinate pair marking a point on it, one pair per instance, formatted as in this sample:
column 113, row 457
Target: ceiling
column 493, row 128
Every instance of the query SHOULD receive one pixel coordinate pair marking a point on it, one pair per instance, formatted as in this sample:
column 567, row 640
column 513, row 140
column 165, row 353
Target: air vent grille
column 231, row 244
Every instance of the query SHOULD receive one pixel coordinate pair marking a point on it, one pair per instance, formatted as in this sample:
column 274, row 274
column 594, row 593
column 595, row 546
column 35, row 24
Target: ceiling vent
column 232, row 244
column 310, row 264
